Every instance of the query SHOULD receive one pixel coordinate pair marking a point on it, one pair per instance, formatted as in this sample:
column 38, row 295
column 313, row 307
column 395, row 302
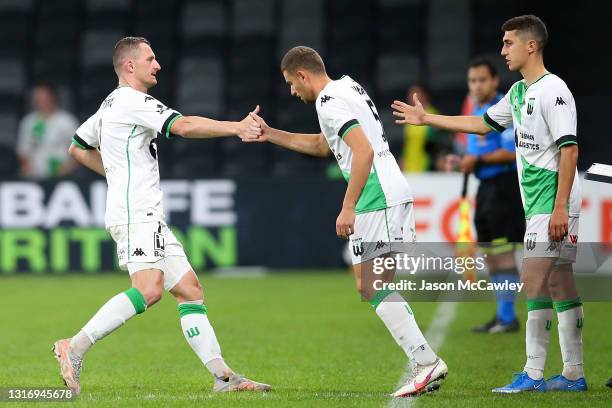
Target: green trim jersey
column 544, row 118
column 342, row 105
column 125, row 130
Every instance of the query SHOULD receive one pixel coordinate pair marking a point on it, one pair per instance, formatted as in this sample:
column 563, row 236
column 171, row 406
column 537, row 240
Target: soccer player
column 119, row 142
column 492, row 159
column 543, row 112
column 377, row 206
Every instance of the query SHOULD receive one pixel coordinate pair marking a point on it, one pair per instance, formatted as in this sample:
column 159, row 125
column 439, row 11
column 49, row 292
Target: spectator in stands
column 44, row 137
column 425, row 148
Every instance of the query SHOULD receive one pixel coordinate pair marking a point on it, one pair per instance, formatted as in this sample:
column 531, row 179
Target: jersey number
column 375, row 113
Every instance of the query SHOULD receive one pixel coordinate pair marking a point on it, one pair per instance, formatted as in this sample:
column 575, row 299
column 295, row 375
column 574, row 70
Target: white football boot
column 425, row 378
column 237, row 382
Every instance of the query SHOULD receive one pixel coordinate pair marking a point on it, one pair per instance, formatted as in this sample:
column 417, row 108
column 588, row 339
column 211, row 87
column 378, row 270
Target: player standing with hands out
column 377, row 206
column 543, row 112
column 119, row 142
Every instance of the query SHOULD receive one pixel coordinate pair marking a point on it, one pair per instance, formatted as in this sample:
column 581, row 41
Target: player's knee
column 152, row 294
column 152, row 291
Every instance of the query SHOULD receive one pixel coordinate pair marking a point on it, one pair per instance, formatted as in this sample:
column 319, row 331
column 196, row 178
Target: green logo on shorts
column 194, row 331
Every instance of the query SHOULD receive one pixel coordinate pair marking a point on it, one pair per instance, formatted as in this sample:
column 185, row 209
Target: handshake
column 253, row 128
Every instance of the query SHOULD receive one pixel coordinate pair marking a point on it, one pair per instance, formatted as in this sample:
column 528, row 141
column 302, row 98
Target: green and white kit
column 125, row 130
column 342, row 105
column 544, row 118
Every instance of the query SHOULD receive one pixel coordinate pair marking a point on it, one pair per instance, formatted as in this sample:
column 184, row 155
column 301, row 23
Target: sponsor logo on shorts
column 159, row 244
column 573, row 239
column 379, row 245
column 530, row 241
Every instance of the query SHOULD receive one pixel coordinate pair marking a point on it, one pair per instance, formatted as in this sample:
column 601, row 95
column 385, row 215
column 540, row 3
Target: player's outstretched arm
column 307, row 143
column 416, row 115
column 89, row 158
column 198, row 127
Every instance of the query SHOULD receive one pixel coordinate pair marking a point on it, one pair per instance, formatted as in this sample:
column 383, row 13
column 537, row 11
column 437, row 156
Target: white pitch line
column 435, row 335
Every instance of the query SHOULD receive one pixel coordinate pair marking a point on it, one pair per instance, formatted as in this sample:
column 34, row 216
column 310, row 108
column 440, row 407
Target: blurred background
column 234, row 202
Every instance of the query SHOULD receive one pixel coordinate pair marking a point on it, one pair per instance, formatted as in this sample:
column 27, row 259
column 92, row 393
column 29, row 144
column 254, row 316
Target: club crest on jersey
column 530, row 105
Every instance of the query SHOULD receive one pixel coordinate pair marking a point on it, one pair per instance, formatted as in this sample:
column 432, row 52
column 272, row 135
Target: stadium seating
column 220, row 58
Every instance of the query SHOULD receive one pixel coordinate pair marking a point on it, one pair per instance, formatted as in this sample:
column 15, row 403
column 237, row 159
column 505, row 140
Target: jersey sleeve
column 335, row 114
column 559, row 111
column 148, row 112
column 86, row 136
column 499, row 116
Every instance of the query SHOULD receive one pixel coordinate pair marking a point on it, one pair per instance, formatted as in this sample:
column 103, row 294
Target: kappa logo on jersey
column 530, row 104
column 148, row 98
column 357, row 247
column 359, row 89
column 161, row 108
column 560, row 101
column 530, row 241
column 139, row 252
column 573, row 239
column 325, row 98
column 108, row 102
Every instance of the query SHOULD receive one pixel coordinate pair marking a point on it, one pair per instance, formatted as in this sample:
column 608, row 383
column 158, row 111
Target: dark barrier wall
column 59, row 227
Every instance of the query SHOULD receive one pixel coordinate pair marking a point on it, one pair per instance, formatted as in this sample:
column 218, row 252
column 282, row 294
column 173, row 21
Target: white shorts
column 150, row 245
column 377, row 232
column 538, row 245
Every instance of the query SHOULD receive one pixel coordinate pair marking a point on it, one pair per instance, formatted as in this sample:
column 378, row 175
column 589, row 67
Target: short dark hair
column 531, row 25
column 123, row 46
column 483, row 62
column 302, row 57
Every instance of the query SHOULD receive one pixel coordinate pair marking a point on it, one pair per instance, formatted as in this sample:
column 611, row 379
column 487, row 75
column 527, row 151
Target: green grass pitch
column 306, row 334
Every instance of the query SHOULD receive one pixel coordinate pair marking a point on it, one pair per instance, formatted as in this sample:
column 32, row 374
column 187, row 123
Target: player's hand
column 265, row 129
column 248, row 128
column 345, row 223
column 557, row 228
column 407, row 114
column 468, row 163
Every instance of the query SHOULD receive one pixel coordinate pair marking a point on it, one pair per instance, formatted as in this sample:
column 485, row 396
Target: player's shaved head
column 125, row 48
column 528, row 27
column 302, row 57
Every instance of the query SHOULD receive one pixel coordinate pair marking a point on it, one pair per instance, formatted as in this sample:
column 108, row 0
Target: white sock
column 80, row 344
column 201, row 337
column 111, row 316
column 399, row 319
column 570, row 340
column 537, row 337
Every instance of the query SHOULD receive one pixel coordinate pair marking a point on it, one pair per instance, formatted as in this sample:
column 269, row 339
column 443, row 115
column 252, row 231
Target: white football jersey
column 544, row 118
column 125, row 130
column 342, row 105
